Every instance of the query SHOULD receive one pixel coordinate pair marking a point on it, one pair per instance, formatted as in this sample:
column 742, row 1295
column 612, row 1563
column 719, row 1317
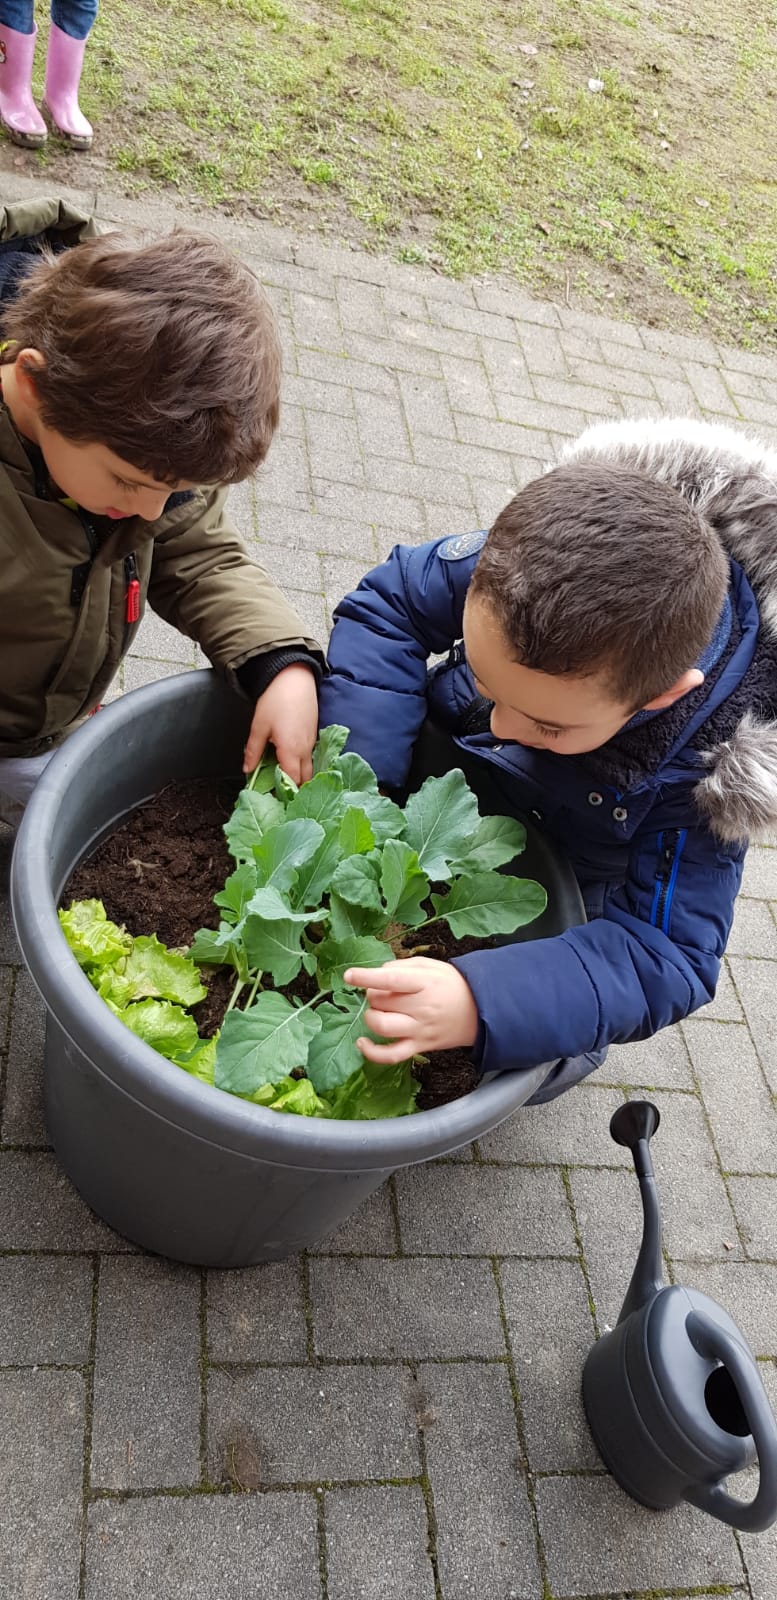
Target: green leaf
column 221, row 948
column 285, row 787
column 167, row 1028
column 385, row 819
column 335, row 955
column 283, row 849
column 321, row 798
column 356, row 773
column 202, row 1063
column 272, row 935
column 237, row 891
column 347, row 921
column 376, row 1091
column 95, row 942
column 315, row 875
column 291, row 1094
column 356, row 880
column 331, row 741
column 440, row 821
column 356, row 835
column 263, row 777
column 405, row 887
column 490, row 903
column 153, row 971
column 497, row 840
column 264, row 1044
column 252, row 816
column 333, row 1054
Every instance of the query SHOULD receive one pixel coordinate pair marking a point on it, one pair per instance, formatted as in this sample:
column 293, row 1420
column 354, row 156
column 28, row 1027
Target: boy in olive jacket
column 134, row 377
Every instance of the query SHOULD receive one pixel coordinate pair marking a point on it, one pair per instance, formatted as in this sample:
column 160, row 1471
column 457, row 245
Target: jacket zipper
column 670, row 848
column 131, row 596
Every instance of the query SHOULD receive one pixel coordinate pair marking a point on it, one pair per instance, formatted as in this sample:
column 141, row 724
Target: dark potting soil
column 158, row 873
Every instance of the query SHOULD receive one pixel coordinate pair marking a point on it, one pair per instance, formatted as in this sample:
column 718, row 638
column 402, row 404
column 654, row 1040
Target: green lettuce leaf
column 168, row 1029
column 291, row 1094
column 152, row 971
column 202, row 1062
column 264, row 1044
column 376, row 1091
column 440, row 821
column 95, row 942
column 283, row 849
column 489, row 903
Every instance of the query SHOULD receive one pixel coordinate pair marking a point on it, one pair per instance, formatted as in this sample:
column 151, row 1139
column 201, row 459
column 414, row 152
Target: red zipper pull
column 132, row 603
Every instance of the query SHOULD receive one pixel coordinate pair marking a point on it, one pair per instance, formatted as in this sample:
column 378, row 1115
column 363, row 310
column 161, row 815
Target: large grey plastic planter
column 178, row 1167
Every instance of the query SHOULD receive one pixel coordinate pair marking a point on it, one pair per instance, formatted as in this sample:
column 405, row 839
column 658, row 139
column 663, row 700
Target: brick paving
column 396, row 1413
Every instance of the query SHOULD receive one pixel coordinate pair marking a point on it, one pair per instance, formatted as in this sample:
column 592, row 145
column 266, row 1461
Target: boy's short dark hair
column 594, row 569
column 166, row 352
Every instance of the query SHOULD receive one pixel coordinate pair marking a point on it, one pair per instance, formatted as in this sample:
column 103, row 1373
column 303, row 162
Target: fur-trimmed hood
column 731, row 479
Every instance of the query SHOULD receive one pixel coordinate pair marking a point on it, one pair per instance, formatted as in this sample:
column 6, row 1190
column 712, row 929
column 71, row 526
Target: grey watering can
column 672, row 1394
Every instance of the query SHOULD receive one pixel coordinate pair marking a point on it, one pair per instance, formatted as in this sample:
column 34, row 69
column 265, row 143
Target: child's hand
column 286, row 714
column 422, row 1005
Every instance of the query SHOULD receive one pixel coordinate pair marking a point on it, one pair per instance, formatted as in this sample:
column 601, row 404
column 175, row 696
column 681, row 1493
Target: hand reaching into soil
column 420, row 1004
column 286, row 714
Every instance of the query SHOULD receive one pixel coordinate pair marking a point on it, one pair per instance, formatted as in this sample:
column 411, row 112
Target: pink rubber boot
column 64, row 61
column 19, row 114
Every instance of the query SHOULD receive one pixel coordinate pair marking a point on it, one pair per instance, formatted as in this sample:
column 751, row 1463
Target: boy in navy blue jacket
column 612, row 659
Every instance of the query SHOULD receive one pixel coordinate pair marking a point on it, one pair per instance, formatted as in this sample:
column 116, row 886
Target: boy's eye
column 549, row 733
column 123, row 485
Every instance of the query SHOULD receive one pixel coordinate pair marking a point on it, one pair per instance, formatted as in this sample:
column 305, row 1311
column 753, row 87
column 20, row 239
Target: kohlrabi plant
column 327, row 876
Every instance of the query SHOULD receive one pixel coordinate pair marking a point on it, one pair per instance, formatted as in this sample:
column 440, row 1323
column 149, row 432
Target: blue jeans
column 72, row 16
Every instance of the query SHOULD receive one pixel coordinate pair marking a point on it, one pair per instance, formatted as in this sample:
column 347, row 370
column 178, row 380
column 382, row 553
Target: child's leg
column 18, row 112
column 18, row 777
column 71, row 23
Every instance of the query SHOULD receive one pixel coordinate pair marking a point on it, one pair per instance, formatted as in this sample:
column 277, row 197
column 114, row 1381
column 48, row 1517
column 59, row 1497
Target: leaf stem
column 239, row 984
column 254, row 989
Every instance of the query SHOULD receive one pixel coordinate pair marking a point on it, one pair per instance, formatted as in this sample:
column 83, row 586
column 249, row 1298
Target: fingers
column 387, row 1055
column 392, row 976
column 255, row 746
column 391, row 1024
column 290, row 762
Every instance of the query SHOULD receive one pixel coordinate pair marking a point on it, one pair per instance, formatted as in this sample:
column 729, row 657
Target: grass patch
column 422, row 127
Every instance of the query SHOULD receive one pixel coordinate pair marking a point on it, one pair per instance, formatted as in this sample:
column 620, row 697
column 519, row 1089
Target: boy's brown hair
column 595, row 570
column 167, row 353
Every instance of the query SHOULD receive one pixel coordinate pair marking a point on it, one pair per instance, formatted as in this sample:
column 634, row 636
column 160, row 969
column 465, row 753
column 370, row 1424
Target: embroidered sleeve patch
column 461, row 545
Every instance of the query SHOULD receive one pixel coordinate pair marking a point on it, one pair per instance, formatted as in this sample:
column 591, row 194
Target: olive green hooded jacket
column 65, row 575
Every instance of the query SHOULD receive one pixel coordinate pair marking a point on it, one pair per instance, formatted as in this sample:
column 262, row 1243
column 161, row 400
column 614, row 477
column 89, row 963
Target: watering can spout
column 633, row 1125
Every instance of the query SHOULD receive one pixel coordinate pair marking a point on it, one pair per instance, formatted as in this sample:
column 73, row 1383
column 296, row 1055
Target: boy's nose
column 503, row 724
column 152, row 503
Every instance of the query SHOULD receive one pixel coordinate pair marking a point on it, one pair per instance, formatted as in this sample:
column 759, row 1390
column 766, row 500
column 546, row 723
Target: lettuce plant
column 327, row 876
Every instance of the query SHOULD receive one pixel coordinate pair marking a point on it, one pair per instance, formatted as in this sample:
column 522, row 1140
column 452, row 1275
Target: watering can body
column 673, row 1395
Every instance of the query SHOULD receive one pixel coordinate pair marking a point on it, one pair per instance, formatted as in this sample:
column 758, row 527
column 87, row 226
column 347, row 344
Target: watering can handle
column 753, row 1516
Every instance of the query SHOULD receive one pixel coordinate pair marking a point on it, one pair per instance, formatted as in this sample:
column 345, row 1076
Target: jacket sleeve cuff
column 257, row 673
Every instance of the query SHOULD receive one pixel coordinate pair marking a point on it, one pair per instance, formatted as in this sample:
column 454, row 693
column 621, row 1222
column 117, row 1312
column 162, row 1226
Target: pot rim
column 138, row 1070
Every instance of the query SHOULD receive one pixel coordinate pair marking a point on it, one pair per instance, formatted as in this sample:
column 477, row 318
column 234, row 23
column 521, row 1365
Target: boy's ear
column 28, row 363
column 689, row 680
